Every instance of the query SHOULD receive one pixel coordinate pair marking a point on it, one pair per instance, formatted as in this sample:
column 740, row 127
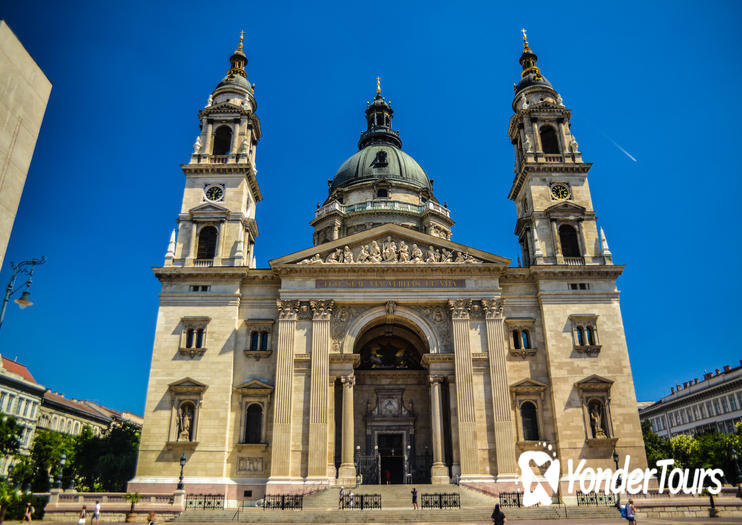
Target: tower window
column 254, row 424
column 529, row 419
column 206, row 243
column 568, row 240
column 222, row 140
column 549, row 141
column 254, row 340
column 382, row 193
column 264, row 340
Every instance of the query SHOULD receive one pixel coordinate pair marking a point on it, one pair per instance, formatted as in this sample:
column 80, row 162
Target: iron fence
column 284, row 502
column 441, row 501
column 362, row 501
column 205, row 501
column 595, row 498
column 510, row 499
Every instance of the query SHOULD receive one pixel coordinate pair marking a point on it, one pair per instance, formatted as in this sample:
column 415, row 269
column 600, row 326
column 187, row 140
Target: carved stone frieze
column 438, row 318
column 342, row 316
column 391, row 251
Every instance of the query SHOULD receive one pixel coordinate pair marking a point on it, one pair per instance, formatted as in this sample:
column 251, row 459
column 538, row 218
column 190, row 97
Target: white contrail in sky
column 629, row 155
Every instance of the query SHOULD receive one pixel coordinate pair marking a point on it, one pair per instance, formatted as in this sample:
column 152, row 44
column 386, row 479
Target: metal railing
column 205, row 501
column 284, row 502
column 362, row 501
column 596, row 498
column 450, row 500
column 510, row 499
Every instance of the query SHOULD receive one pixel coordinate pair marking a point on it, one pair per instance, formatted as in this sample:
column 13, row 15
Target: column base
column 332, row 472
column 439, row 474
column 347, row 475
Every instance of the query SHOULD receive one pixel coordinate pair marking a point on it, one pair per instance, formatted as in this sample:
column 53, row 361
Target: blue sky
column 659, row 80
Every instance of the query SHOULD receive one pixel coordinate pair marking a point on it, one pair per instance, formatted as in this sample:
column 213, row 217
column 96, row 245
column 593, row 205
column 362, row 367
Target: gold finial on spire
column 378, row 85
column 242, row 36
column 525, row 38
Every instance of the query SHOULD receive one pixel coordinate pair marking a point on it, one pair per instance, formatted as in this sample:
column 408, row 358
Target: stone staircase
column 321, row 507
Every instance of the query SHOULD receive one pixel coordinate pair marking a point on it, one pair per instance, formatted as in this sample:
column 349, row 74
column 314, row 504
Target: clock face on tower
column 214, row 193
column 560, row 191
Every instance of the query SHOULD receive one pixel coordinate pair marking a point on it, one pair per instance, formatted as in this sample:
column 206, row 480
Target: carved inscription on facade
column 390, row 283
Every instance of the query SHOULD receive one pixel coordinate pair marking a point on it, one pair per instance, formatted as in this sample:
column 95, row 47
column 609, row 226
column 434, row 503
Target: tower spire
column 238, row 60
column 378, row 86
column 528, row 59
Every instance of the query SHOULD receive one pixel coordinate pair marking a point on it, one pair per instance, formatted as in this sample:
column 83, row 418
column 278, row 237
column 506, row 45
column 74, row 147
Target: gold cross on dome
column 242, row 35
column 523, row 30
column 378, row 85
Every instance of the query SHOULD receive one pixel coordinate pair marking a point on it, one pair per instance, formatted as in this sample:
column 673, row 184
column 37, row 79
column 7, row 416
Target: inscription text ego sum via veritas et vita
column 390, row 283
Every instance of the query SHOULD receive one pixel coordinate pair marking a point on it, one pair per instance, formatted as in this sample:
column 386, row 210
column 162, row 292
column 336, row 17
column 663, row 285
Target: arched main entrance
column 392, row 404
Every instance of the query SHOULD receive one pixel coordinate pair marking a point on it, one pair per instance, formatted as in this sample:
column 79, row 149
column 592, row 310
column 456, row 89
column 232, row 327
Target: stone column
column 209, row 146
column 281, row 446
column 347, row 474
column 456, row 465
column 556, row 242
column 331, row 471
column 460, row 309
column 439, row 471
column 497, row 350
column 318, row 389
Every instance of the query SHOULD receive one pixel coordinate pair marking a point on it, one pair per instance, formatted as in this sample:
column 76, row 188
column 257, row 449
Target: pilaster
column 439, row 471
column 497, row 350
column 281, row 446
column 460, row 310
column 318, row 407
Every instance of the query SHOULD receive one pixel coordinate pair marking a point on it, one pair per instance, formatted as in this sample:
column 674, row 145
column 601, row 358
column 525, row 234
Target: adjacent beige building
column 24, row 92
column 385, row 350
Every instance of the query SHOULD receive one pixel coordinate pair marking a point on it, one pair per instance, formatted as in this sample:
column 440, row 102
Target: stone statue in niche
column 596, row 418
column 185, row 421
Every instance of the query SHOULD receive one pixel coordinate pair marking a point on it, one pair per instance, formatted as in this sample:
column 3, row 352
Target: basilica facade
column 386, row 351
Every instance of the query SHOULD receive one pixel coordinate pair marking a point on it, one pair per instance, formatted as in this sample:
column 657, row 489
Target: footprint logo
column 533, row 491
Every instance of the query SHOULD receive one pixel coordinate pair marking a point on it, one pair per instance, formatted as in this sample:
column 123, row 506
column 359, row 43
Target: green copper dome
column 377, row 162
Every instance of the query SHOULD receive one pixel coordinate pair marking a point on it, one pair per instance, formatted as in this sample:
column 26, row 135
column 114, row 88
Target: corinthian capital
column 348, row 381
column 322, row 310
column 287, row 310
column 493, row 308
column 460, row 308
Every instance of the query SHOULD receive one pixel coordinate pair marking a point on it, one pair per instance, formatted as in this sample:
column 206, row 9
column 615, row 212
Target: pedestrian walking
column 151, row 517
column 341, row 498
column 96, row 513
column 414, row 498
column 498, row 518
column 83, row 516
column 28, row 515
column 350, row 499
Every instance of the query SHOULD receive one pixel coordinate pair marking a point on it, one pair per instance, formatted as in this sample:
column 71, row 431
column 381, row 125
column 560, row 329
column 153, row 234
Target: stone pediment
column 187, row 385
column 594, row 383
column 254, row 387
column 389, row 245
column 209, row 210
column 527, row 386
column 565, row 208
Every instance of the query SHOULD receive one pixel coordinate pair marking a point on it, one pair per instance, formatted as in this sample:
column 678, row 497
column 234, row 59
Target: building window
column 579, row 286
column 77, row 427
column 568, row 241
column 254, row 337
column 199, row 288
column 382, row 193
column 2, row 400
column 530, row 421
column 259, row 339
column 222, row 140
column 732, row 402
column 585, row 334
column 521, row 336
column 193, row 335
column 549, row 141
column 254, row 423
column 207, row 243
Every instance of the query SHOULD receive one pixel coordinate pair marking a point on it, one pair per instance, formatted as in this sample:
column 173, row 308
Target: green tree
column 8, row 496
column 48, row 447
column 107, row 462
column 21, row 473
column 657, row 448
column 10, row 435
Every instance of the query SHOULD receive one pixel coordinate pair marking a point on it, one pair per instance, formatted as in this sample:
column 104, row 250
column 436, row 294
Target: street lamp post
column 618, row 479
column 24, row 267
column 58, row 477
column 180, row 479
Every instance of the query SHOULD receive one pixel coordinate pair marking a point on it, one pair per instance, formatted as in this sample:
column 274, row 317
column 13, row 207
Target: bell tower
column 556, row 220
column 216, row 224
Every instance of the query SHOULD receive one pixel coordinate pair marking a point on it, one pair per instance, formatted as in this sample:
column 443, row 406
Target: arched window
column 222, row 140
column 549, row 141
column 526, row 339
column 530, row 421
column 200, row 338
column 590, row 335
column 206, row 243
column 264, row 340
column 77, row 428
column 54, row 423
column 254, row 340
column 189, row 338
column 580, row 336
column 69, row 426
column 568, row 240
column 254, row 423
column 516, row 339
